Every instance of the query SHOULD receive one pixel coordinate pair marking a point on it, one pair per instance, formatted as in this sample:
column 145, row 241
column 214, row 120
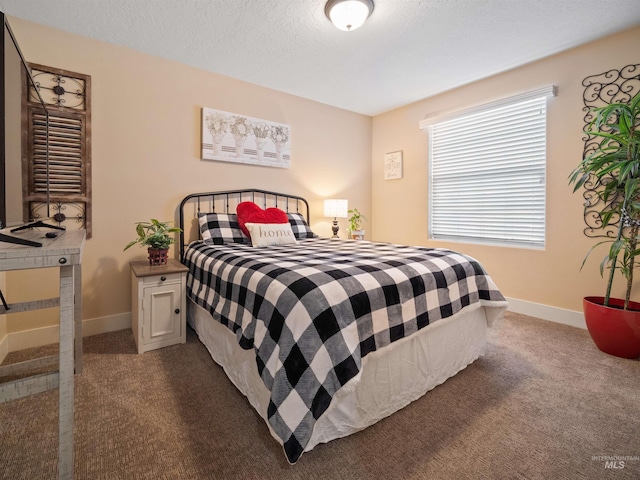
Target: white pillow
column 266, row 234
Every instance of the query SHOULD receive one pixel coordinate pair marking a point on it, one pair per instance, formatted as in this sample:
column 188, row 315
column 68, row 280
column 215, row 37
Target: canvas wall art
column 229, row 137
column 393, row 165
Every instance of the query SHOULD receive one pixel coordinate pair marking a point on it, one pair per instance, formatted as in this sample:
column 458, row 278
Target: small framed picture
column 393, row 165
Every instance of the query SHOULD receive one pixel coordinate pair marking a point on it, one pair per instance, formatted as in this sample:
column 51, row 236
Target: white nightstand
column 158, row 311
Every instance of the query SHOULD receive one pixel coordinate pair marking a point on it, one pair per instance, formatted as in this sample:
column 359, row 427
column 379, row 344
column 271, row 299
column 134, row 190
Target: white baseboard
column 47, row 335
column 112, row 323
column 38, row 337
column 4, row 347
column 546, row 312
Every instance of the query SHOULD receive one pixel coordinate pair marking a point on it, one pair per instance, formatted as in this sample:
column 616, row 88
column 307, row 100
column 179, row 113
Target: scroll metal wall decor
column 229, row 137
column 613, row 86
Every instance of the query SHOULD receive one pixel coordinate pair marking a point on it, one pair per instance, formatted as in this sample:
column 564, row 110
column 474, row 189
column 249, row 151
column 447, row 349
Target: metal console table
column 64, row 252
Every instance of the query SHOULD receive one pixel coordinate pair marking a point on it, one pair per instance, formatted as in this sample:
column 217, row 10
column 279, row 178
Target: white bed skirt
column 391, row 377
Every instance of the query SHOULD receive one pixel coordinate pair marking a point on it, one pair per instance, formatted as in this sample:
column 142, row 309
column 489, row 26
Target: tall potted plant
column 614, row 324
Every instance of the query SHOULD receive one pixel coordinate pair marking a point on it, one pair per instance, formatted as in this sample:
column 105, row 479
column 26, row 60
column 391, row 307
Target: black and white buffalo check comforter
column 313, row 310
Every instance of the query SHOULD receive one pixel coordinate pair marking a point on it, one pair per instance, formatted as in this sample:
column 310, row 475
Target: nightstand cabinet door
column 161, row 315
column 158, row 316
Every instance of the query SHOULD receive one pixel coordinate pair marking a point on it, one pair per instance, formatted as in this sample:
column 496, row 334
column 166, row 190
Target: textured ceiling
column 406, row 51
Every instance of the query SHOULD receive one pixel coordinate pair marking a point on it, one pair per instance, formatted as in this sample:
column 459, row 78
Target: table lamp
column 336, row 208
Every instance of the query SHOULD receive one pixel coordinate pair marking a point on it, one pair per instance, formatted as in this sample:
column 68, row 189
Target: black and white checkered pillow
column 221, row 229
column 299, row 226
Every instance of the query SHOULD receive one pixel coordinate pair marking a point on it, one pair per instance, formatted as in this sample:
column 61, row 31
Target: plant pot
column 158, row 256
column 614, row 331
column 356, row 234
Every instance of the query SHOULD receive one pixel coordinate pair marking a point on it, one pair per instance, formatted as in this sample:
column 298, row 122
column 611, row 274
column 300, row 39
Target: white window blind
column 487, row 173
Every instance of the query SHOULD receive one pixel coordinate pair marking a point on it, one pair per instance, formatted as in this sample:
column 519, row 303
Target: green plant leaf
column 154, row 234
column 613, row 166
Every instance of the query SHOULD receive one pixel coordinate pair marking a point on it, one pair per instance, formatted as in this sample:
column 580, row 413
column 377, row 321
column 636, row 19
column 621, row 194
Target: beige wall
column 552, row 276
column 146, row 137
column 146, row 155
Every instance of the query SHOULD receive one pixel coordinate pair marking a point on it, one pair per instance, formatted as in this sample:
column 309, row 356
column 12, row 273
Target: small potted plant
column 614, row 166
column 157, row 237
column 356, row 232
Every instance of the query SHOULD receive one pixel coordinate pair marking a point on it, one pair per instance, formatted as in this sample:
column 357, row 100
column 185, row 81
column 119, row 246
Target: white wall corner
column 546, row 312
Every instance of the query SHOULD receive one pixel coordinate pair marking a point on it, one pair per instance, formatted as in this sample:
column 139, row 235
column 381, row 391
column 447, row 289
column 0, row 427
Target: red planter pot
column 614, row 331
column 158, row 256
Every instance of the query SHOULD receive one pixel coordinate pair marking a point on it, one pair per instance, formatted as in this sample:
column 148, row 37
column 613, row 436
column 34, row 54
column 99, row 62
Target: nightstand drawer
column 157, row 280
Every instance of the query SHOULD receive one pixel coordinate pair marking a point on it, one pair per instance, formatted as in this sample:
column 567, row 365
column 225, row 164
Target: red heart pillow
column 249, row 212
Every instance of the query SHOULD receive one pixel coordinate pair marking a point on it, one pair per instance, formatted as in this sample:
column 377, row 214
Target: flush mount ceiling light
column 348, row 14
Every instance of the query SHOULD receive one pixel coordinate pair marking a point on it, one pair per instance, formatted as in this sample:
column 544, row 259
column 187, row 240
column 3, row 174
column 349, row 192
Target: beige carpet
column 543, row 403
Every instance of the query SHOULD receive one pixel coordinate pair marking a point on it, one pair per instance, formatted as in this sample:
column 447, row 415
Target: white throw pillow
column 266, row 234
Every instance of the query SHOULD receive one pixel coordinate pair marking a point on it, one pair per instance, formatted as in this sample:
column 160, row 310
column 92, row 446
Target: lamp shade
column 336, row 208
column 348, row 14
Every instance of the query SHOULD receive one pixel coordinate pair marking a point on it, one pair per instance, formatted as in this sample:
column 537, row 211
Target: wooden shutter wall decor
column 67, row 95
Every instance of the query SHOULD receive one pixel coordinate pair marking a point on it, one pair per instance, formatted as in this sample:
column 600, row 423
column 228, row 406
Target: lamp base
column 335, row 228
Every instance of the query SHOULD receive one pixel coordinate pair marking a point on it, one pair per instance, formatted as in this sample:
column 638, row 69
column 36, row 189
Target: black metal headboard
column 226, row 202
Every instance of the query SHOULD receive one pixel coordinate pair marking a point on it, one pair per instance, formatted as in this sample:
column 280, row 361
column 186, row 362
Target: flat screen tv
column 16, row 78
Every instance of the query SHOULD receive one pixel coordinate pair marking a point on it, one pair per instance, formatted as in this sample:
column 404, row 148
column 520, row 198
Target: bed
column 325, row 336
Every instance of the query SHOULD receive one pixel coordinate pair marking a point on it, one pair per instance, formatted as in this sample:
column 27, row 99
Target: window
column 487, row 173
